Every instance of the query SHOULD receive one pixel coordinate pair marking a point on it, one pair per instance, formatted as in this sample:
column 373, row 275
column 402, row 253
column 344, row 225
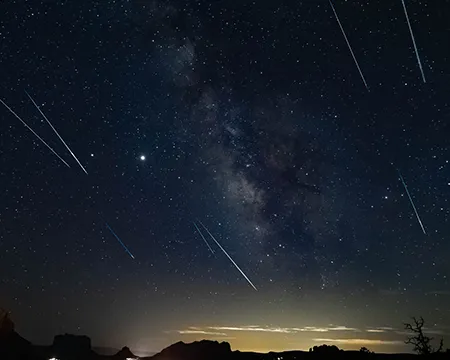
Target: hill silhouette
column 198, row 350
column 73, row 347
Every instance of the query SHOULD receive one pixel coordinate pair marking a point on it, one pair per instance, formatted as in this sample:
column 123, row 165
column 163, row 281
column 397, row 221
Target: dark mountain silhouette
column 125, row 353
column 199, row 350
column 72, row 347
column 65, row 347
column 6, row 324
column 11, row 343
column 13, row 346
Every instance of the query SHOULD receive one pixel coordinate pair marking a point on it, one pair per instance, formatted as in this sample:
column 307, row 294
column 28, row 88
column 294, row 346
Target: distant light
column 142, row 158
column 53, row 359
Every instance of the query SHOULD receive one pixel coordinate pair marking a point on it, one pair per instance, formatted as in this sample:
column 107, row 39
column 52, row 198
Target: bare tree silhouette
column 421, row 342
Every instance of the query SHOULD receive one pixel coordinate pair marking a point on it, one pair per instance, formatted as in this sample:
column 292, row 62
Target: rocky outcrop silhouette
column 13, row 346
column 123, row 354
column 199, row 350
column 326, row 350
column 6, row 324
column 70, row 347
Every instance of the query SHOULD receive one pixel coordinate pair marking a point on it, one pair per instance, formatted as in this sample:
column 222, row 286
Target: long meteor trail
column 229, row 257
column 120, row 241
column 56, row 132
column 349, row 46
column 34, row 133
column 414, row 42
column 207, row 243
column 412, row 203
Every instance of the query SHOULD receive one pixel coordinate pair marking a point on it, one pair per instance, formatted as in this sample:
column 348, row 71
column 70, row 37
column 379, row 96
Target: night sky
column 251, row 118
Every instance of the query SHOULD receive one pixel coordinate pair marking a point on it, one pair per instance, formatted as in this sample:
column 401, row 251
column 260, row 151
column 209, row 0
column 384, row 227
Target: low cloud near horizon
column 220, row 330
column 228, row 332
column 264, row 338
column 360, row 341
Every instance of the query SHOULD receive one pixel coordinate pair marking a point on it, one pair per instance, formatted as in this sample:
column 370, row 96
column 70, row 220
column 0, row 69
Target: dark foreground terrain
column 71, row 347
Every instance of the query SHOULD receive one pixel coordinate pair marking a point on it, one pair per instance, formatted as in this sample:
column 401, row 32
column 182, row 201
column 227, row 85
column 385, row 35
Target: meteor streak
column 411, row 201
column 414, row 42
column 229, row 257
column 349, row 46
column 56, row 132
column 210, row 248
column 34, row 133
column 120, row 241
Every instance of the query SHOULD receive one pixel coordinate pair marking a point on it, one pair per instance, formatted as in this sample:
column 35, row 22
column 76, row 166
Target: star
column 142, row 157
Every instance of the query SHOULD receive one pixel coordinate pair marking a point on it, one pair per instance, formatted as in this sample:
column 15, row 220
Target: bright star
column 142, row 157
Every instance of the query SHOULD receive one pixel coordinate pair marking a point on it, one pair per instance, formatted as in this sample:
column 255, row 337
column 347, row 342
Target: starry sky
column 249, row 117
